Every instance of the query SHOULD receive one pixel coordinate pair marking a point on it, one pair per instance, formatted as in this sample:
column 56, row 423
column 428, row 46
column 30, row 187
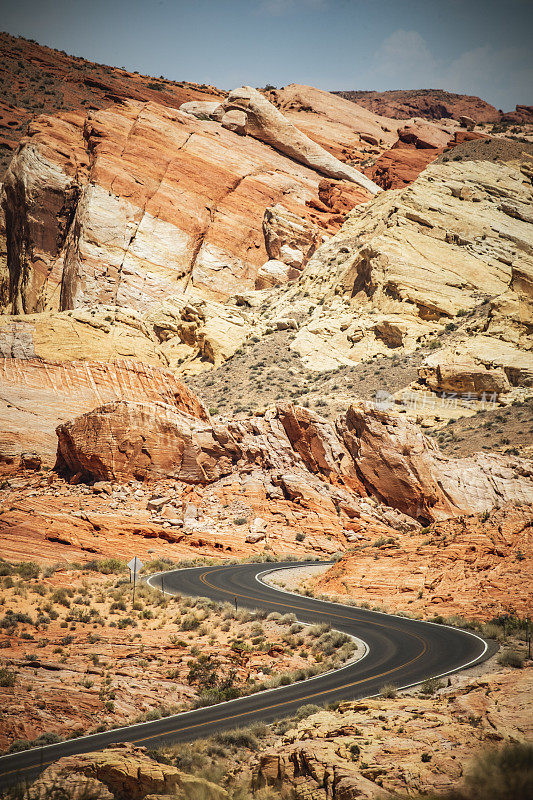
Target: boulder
column 274, row 273
column 124, row 440
column 203, row 109
column 407, row 471
column 446, row 372
column 31, row 461
column 255, row 537
column 235, row 121
column 127, row 771
column 265, row 122
column 286, row 324
column 289, row 238
column 466, row 121
column 423, row 135
column 315, row 440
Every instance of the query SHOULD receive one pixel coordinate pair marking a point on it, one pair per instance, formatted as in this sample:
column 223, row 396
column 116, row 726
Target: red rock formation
column 522, row 115
column 38, row 395
column 428, row 103
column 50, row 80
column 399, row 166
column 132, row 205
column 314, row 439
column 476, row 566
column 406, row 470
column 122, row 440
column 390, row 458
column 415, row 149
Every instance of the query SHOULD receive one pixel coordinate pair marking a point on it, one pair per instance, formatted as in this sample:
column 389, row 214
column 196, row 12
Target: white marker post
column 135, row 566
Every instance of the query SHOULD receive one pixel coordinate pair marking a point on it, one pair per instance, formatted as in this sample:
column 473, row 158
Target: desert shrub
column 306, row 710
column 126, row 622
column 431, row 685
column 389, row 690
column 190, row 622
column 331, row 641
column 383, row 540
column 159, row 565
column 12, row 618
column 106, row 566
column 355, row 750
column 240, row 737
column 61, row 596
column 501, row 774
column 27, row 569
column 7, row 677
column 287, row 619
column 26, row 744
column 318, row 630
column 300, row 536
column 491, row 631
column 510, row 658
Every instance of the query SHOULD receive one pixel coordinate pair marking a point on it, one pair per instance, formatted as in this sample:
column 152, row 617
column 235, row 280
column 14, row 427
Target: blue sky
column 478, row 47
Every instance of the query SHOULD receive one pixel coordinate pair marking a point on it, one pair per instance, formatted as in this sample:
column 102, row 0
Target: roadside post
column 135, row 566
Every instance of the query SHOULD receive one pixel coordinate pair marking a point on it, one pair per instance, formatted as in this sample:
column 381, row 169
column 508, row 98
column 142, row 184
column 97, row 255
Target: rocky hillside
column 40, row 80
column 427, row 103
column 185, row 239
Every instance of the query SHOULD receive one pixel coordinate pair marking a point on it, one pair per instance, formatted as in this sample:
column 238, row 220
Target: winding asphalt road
column 400, row 651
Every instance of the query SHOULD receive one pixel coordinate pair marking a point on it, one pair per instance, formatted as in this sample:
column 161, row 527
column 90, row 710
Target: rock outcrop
column 433, row 104
column 391, row 747
column 266, row 123
column 38, row 395
column 134, row 204
column 445, row 372
column 289, row 238
column 412, row 261
column 125, row 771
column 371, row 452
column 203, row 109
column 475, row 566
column 122, row 440
column 406, row 470
column 50, row 79
column 424, row 136
column 345, row 129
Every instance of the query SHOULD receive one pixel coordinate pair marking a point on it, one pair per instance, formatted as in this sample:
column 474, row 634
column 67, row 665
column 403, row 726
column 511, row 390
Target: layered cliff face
column 40, row 80
column 38, row 395
column 131, row 206
column 137, row 213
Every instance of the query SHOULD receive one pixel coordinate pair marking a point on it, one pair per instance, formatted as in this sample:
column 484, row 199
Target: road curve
column 400, row 651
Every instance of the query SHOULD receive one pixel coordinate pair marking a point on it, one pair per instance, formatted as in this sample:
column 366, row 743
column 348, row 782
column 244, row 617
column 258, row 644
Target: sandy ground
column 295, row 578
